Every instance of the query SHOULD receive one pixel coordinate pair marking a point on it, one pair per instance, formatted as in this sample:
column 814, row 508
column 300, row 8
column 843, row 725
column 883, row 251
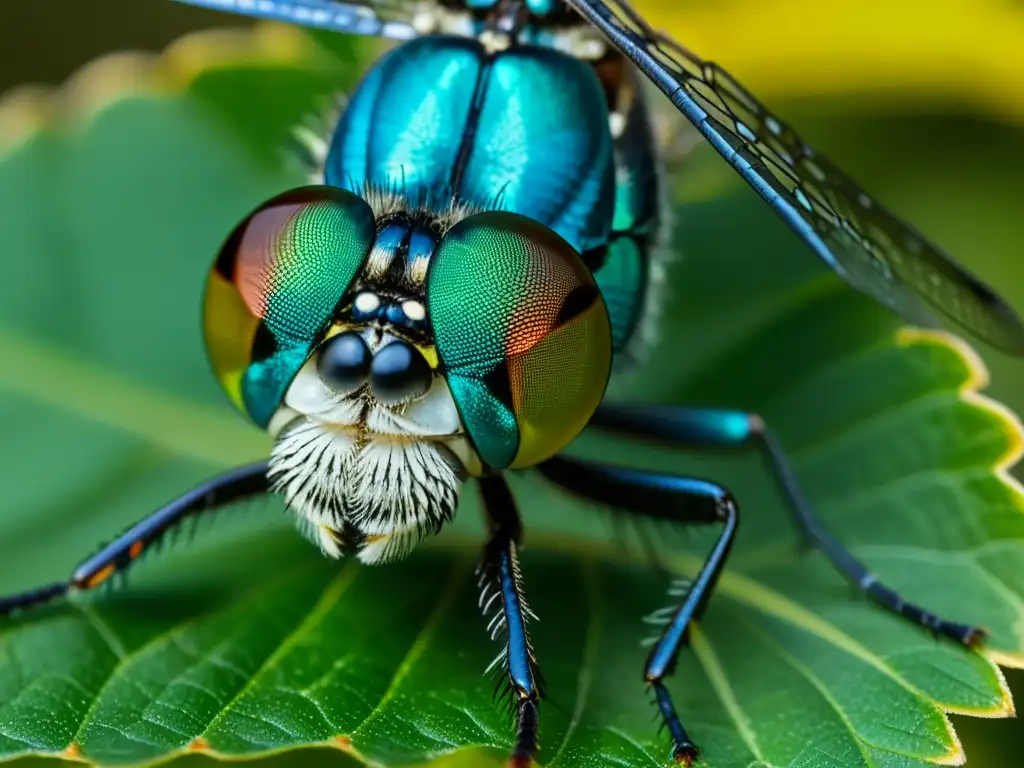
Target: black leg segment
column 502, row 602
column 726, row 428
column 681, row 500
column 232, row 486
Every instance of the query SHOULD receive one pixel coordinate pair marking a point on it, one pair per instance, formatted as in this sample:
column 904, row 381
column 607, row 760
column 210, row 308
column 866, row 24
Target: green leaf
column 115, row 193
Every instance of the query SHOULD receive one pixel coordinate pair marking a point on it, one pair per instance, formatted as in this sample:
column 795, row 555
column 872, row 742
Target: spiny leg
column 232, row 486
column 723, row 427
column 680, row 500
column 501, row 585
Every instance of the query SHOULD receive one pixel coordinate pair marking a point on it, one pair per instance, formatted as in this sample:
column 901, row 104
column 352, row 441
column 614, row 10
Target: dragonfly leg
column 232, row 486
column 720, row 427
column 679, row 500
column 501, row 598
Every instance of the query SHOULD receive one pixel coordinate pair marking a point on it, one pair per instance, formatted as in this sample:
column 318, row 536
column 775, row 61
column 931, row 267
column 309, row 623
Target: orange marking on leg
column 71, row 752
column 136, row 549
column 100, row 576
column 343, row 742
column 198, row 744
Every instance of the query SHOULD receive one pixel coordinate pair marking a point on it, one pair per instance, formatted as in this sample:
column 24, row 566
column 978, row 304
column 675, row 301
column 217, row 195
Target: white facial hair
column 335, row 478
column 346, row 466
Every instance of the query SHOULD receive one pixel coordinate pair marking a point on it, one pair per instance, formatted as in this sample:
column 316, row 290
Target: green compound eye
column 523, row 334
column 274, row 288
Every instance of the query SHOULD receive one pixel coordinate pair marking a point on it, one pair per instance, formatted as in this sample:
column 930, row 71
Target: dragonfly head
column 394, row 352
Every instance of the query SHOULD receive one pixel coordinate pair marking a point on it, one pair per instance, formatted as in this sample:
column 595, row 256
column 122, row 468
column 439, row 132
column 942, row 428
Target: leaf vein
column 591, row 641
column 332, row 593
column 708, row 659
column 816, row 683
column 419, row 645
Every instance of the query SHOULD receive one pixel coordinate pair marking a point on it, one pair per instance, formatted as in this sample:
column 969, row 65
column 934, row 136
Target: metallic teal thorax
column 524, row 130
column 536, row 7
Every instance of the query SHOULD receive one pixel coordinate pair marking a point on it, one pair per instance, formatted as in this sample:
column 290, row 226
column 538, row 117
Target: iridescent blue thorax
column 536, row 7
column 447, row 123
column 524, row 130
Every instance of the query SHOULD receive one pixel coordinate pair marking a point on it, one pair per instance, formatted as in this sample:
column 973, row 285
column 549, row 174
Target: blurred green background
column 922, row 102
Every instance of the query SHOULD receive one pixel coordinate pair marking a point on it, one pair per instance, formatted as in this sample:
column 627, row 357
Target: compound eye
column 274, row 288
column 344, row 362
column 399, row 373
column 523, row 333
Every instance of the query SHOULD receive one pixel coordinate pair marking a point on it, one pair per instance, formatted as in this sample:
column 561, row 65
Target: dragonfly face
column 445, row 303
column 393, row 351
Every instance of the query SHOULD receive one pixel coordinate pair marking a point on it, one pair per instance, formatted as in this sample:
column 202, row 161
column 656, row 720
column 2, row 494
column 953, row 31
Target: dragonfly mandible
column 448, row 298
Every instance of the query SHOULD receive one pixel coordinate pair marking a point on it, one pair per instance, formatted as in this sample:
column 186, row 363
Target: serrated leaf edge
column 105, row 80
column 764, row 600
column 955, row 755
column 979, row 379
column 738, row 587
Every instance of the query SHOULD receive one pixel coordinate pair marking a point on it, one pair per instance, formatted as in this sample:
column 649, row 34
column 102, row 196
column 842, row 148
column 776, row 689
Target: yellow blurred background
column 922, row 102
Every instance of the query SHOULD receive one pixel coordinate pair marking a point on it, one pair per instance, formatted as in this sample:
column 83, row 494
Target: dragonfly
column 474, row 257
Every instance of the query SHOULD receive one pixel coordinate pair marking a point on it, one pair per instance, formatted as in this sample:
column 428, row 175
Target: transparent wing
column 866, row 244
column 381, row 18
